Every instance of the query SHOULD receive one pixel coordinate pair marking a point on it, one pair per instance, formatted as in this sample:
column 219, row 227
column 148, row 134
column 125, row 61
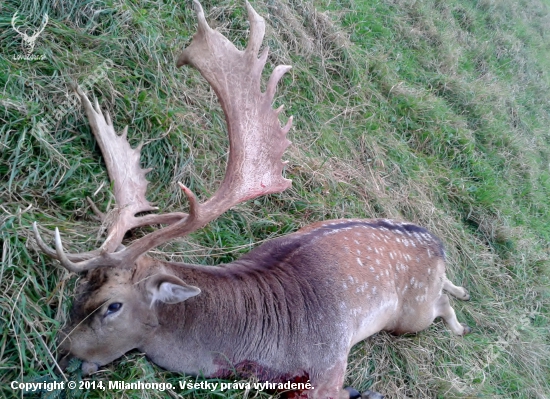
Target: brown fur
column 292, row 307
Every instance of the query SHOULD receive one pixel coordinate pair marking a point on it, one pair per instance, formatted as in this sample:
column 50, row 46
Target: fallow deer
column 290, row 309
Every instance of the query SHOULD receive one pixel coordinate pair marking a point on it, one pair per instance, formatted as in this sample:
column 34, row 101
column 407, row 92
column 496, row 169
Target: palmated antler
column 256, row 144
column 129, row 187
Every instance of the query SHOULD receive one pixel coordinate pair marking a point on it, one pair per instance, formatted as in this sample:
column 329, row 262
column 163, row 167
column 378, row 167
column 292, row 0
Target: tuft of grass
column 433, row 111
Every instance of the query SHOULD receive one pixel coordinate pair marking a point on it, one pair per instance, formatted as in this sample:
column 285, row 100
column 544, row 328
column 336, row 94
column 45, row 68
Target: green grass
column 435, row 112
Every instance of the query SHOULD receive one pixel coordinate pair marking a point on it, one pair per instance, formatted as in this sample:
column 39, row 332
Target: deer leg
column 444, row 309
column 458, row 292
column 331, row 381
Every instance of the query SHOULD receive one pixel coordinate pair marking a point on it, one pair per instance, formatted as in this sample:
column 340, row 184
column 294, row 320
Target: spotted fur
column 292, row 307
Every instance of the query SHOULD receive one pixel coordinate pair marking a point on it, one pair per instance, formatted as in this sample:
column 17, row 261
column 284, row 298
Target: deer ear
column 170, row 289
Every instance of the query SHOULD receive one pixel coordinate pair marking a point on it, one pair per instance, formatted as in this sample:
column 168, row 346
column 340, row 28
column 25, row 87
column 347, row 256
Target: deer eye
column 113, row 307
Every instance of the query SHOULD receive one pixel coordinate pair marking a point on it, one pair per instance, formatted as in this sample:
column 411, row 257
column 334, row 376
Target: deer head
column 29, row 40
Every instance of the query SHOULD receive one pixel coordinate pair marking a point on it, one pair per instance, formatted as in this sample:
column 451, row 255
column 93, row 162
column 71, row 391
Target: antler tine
column 257, row 31
column 63, row 259
column 47, row 250
column 52, row 253
column 276, row 75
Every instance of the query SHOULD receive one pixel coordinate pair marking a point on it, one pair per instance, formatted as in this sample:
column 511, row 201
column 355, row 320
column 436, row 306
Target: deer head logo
column 29, row 40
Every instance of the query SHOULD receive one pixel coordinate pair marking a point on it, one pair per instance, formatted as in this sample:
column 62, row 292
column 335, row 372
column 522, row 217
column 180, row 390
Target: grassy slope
column 434, row 111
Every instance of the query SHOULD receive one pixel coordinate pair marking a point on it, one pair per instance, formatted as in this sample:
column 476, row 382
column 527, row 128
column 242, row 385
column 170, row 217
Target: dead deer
column 292, row 308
